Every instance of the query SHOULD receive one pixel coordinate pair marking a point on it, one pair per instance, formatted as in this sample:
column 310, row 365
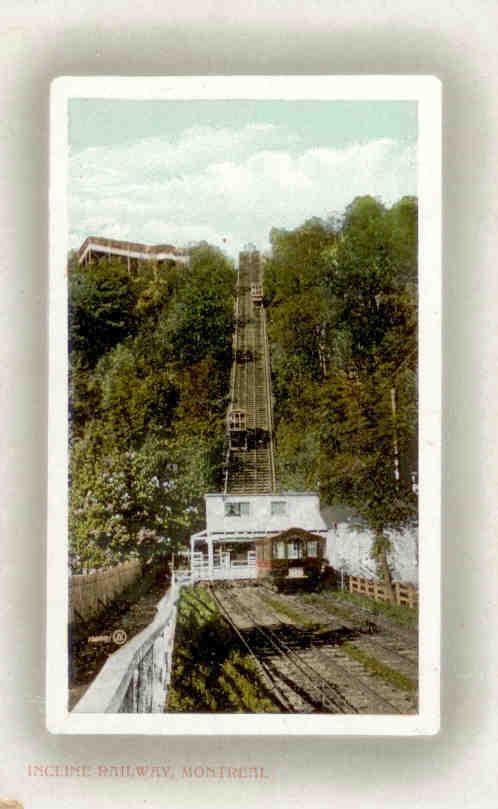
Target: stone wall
column 90, row 593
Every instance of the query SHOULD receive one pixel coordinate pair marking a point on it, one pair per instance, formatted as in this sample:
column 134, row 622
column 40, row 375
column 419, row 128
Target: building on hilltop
column 95, row 247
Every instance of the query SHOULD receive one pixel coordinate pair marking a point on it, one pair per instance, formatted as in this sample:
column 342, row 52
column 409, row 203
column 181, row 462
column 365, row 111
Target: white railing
column 224, row 573
column 235, row 569
column 136, row 678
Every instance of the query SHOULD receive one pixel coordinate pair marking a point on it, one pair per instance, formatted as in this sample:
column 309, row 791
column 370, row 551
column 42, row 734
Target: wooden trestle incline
column 250, row 465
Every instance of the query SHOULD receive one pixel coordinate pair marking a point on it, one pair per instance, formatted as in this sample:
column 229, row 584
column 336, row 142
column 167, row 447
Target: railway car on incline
column 237, row 429
column 291, row 559
column 256, row 293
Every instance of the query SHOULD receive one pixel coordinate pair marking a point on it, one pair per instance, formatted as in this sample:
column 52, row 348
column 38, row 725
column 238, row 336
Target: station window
column 236, row 509
column 278, row 507
column 313, row 549
column 294, row 550
column 279, row 550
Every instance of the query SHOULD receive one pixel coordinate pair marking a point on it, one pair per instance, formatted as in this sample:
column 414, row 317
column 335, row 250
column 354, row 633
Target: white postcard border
column 426, row 90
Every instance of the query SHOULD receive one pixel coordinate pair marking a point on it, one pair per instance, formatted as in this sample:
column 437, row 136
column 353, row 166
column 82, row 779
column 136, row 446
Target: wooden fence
column 90, row 593
column 404, row 594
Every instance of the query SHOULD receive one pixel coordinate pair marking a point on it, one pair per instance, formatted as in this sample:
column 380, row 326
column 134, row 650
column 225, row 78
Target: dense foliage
column 342, row 307
column 150, row 355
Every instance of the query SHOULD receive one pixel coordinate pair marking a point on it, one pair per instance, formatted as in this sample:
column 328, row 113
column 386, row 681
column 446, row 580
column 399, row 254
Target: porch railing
column 221, row 569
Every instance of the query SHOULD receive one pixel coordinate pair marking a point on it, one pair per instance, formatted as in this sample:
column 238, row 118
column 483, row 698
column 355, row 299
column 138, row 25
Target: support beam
column 192, row 550
column 210, row 556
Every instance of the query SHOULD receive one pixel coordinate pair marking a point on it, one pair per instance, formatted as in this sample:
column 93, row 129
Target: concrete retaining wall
column 350, row 549
column 90, row 593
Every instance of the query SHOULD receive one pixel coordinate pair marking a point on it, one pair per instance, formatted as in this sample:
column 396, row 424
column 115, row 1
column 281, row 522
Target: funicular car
column 257, row 293
column 291, row 558
column 237, row 429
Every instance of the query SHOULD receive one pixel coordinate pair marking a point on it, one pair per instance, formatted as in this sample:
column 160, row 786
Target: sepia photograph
column 239, row 281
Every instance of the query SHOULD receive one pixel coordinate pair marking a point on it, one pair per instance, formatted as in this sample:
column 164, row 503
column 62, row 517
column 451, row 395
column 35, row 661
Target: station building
column 226, row 548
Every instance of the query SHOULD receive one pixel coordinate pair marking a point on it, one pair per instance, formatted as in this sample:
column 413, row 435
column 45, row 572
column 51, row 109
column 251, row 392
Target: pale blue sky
column 228, row 171
column 99, row 122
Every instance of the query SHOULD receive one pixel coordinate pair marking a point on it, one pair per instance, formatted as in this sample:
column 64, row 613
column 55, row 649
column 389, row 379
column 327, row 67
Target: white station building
column 226, row 549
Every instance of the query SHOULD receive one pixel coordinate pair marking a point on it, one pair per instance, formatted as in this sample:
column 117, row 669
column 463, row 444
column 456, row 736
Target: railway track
column 293, row 679
column 387, row 645
column 308, row 666
column 251, row 470
column 372, row 694
column 384, row 649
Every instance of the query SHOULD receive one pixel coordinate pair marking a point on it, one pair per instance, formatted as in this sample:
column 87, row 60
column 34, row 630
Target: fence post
column 396, row 592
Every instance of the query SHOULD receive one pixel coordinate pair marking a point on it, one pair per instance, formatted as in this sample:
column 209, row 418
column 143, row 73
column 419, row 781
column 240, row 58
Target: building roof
column 131, row 249
column 268, row 495
column 291, row 532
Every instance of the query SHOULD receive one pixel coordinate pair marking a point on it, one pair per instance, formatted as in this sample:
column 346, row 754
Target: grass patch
column 211, row 670
column 240, row 682
column 324, row 603
column 404, row 616
column 379, row 669
column 286, row 609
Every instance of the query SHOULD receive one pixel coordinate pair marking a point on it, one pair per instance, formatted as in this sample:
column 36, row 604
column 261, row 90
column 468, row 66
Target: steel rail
column 306, row 669
column 261, row 665
column 251, row 470
column 372, row 638
column 364, row 686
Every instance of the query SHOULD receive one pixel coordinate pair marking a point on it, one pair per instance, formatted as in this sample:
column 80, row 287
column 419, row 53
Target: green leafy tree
column 101, row 308
column 147, row 403
column 343, row 318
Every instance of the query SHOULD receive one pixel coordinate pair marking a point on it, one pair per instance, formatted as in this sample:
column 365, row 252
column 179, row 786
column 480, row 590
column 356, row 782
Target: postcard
column 245, row 406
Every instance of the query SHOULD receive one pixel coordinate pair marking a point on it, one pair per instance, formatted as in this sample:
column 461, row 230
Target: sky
column 178, row 172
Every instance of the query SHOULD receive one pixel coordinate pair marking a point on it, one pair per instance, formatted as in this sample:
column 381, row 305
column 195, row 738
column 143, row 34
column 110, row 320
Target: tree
column 101, row 308
column 361, row 439
column 343, row 319
column 147, row 403
column 201, row 312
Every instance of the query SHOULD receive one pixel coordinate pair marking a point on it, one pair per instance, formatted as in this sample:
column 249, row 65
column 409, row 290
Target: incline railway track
column 395, row 648
column 251, row 470
column 306, row 666
column 292, row 680
column 311, row 657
